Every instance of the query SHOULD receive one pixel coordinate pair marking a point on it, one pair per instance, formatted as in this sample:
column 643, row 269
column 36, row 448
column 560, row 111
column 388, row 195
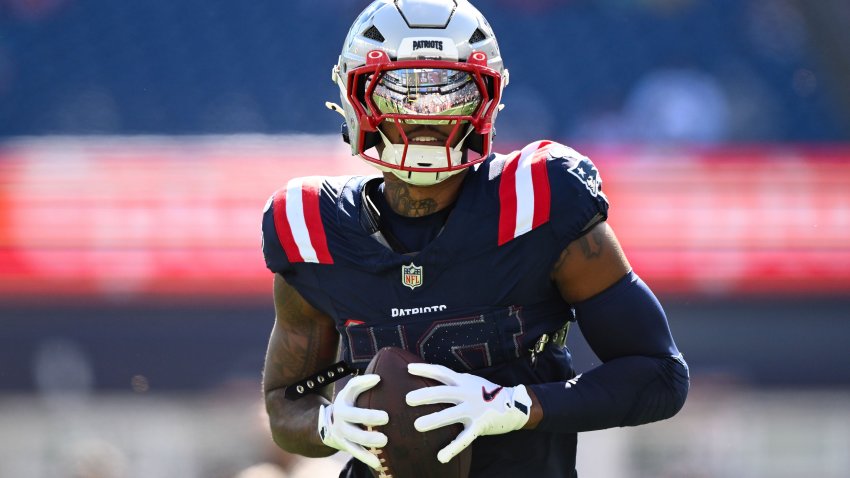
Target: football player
column 478, row 262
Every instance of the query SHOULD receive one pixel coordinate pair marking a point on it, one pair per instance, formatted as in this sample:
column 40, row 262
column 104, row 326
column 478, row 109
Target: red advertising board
column 168, row 218
column 772, row 220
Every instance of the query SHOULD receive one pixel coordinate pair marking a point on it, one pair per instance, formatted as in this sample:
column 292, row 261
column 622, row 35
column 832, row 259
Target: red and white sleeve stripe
column 299, row 223
column 524, row 195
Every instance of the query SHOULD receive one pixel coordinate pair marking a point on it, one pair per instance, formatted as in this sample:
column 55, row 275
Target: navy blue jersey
column 475, row 299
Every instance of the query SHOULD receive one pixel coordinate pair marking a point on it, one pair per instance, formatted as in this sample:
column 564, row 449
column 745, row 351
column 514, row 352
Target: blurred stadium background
column 140, row 140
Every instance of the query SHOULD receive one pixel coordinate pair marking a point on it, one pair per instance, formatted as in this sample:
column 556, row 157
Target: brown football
column 409, row 453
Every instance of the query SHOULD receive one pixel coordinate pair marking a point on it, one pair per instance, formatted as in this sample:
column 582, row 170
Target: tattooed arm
column 303, row 341
column 643, row 377
column 590, row 264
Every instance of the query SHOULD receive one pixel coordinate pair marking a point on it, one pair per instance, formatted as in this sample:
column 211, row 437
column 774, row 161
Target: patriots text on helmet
column 430, row 44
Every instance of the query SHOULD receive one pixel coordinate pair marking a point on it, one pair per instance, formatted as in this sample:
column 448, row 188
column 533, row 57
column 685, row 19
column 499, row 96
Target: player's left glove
column 481, row 406
column 341, row 424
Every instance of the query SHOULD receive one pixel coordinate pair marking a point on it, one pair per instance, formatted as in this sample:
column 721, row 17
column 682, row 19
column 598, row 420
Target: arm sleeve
column 643, row 377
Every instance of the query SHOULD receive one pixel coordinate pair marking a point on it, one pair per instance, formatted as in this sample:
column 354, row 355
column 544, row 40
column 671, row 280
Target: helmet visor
column 427, row 92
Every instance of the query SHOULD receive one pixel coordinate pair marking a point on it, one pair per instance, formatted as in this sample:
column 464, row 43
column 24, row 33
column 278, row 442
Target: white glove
column 339, row 422
column 481, row 406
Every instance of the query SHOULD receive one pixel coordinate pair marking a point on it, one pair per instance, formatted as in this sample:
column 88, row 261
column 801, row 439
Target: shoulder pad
column 580, row 166
column 578, row 202
column 547, row 181
column 293, row 229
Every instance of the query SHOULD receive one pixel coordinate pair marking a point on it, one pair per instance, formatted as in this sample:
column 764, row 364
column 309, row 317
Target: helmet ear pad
column 475, row 142
column 370, row 138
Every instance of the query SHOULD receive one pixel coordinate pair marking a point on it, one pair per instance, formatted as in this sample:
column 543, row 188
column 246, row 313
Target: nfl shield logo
column 411, row 276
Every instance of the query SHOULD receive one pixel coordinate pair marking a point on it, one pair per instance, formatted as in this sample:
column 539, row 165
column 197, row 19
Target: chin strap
column 394, row 153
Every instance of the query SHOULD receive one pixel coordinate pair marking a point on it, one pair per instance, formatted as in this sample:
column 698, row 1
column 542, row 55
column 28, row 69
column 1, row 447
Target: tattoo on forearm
column 297, row 353
column 591, row 244
column 398, row 196
column 302, row 353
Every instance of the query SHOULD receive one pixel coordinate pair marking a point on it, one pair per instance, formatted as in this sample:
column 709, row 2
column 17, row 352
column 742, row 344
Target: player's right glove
column 481, row 406
column 339, row 422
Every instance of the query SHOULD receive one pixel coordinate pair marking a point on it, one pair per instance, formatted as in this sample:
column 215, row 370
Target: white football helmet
column 427, row 62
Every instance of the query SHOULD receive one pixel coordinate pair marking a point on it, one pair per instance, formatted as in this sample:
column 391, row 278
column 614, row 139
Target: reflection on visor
column 427, row 91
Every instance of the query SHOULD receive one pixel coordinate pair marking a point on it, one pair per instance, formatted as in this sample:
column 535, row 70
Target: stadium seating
column 213, row 66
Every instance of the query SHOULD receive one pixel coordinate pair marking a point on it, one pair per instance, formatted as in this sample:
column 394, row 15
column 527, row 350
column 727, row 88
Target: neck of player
column 417, row 201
